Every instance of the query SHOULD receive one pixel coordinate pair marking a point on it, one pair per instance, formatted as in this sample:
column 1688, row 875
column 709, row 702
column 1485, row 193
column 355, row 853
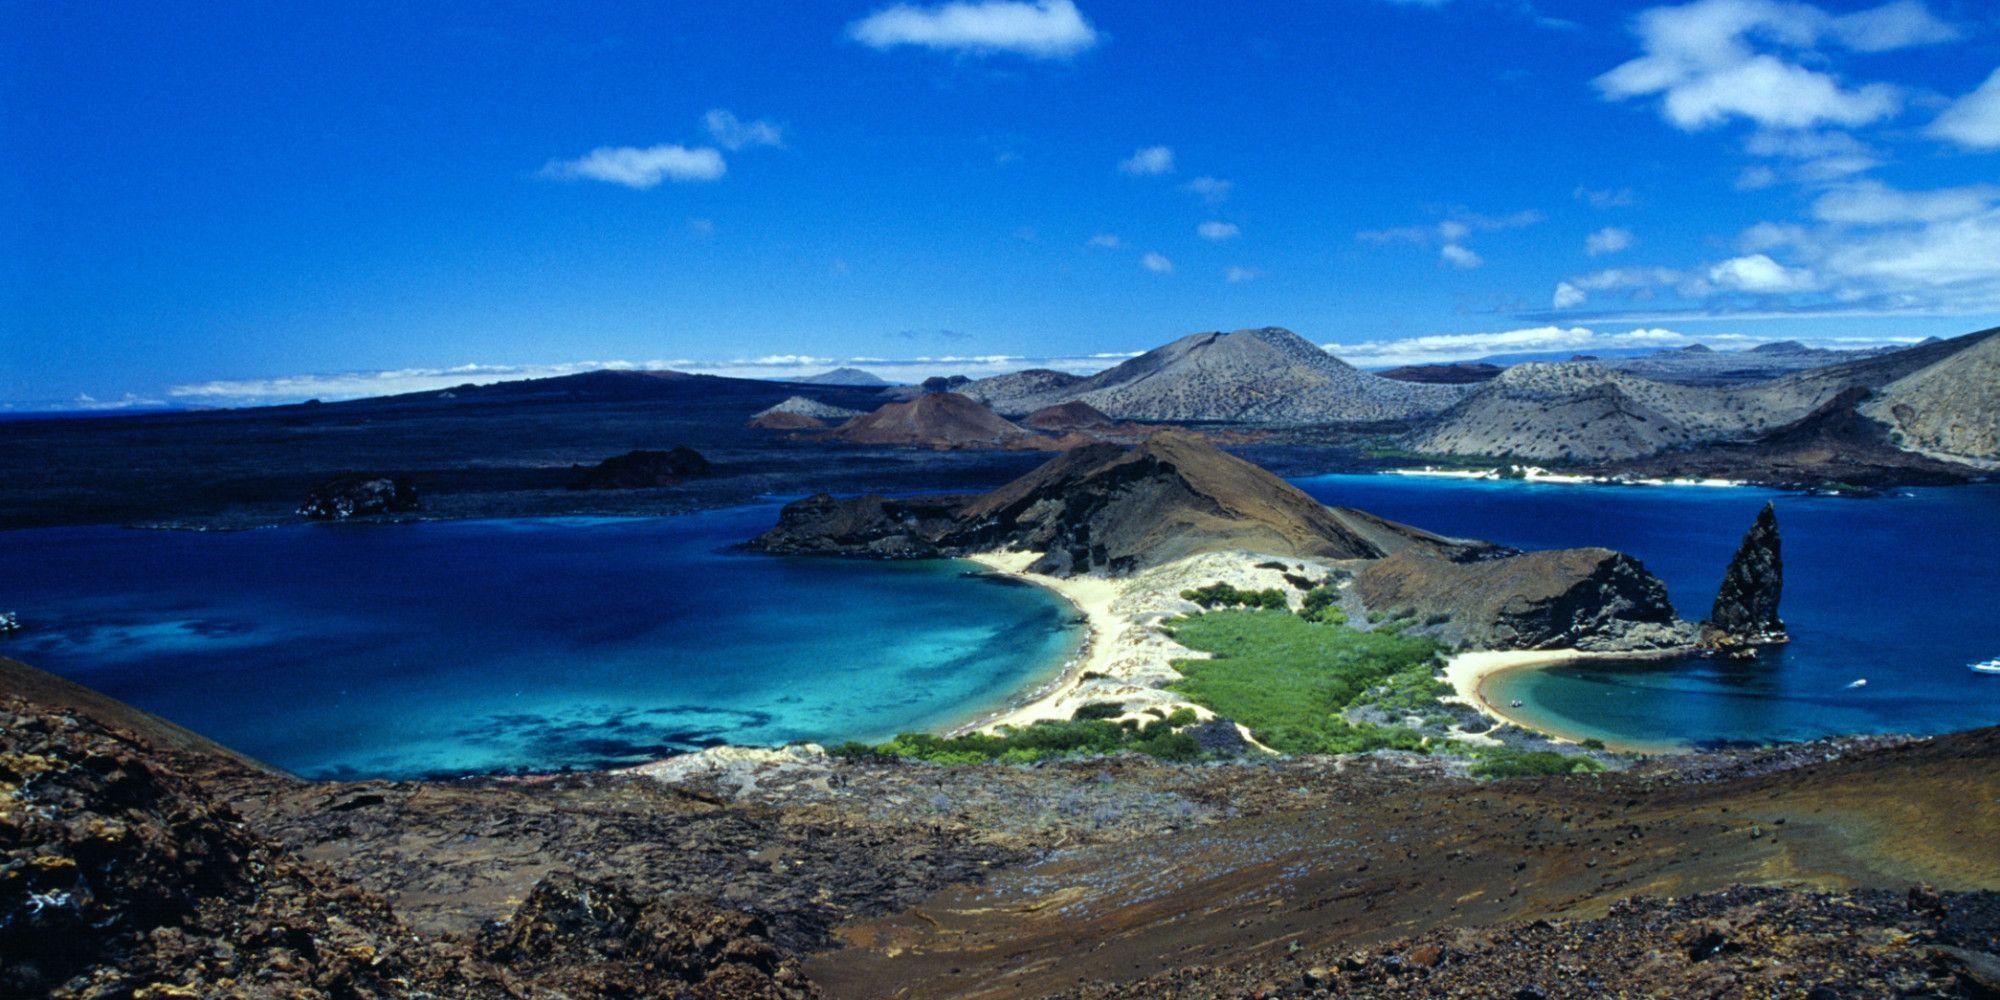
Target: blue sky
column 225, row 203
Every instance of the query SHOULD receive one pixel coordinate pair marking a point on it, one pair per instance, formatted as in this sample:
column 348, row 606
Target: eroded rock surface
column 343, row 497
column 1746, row 608
column 1589, row 599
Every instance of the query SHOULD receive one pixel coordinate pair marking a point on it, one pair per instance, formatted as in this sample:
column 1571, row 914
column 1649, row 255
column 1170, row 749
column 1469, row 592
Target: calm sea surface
column 1900, row 591
column 454, row 647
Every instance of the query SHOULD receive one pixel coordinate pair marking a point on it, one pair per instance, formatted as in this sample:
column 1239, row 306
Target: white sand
column 1468, row 673
column 1129, row 660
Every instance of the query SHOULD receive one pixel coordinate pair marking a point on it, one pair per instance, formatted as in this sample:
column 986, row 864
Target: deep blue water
column 1903, row 591
column 454, row 647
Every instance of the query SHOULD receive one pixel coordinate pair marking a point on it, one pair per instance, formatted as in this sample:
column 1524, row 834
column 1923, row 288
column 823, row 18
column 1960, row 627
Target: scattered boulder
column 786, row 422
column 1746, row 608
column 359, row 495
column 578, row 937
column 642, row 470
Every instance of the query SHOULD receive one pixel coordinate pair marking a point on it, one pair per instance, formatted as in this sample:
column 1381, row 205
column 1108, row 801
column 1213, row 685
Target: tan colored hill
column 1268, row 375
column 1115, row 510
column 936, row 420
column 1950, row 409
column 1587, row 412
column 1105, row 508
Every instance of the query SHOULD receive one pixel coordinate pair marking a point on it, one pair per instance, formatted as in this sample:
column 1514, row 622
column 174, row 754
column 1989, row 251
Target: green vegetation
column 1508, row 762
column 1290, row 680
column 1322, row 605
column 1088, row 734
column 1222, row 595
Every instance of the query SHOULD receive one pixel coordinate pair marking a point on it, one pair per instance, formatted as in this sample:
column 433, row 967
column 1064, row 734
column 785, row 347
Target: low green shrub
column 1509, row 762
column 1223, row 595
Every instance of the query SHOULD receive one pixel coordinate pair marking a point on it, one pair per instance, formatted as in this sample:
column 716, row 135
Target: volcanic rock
column 845, row 376
column 1063, row 418
column 1105, row 508
column 1269, row 375
column 782, row 421
column 359, row 495
column 1588, row 599
column 642, row 470
column 807, row 407
column 1746, row 608
column 935, row 420
column 1462, row 373
column 1950, row 409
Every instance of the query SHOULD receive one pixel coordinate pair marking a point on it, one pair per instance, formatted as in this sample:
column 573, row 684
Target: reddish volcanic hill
column 935, row 420
column 1063, row 418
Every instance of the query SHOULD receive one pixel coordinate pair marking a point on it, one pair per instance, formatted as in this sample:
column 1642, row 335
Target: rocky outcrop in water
column 636, row 470
column 1103, row 508
column 1746, row 608
column 1589, row 599
column 360, row 496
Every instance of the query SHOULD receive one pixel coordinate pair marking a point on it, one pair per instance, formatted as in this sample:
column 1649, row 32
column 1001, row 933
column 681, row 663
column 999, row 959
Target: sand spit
column 1129, row 658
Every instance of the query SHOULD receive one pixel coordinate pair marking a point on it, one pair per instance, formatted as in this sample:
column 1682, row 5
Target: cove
column 448, row 648
column 1902, row 591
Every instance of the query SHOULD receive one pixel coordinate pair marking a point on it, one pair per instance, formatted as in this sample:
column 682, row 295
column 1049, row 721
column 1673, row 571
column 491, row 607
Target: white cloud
column 1605, row 198
column 1216, row 232
column 1873, row 204
column 1610, row 239
column 1466, row 346
column 1239, row 275
column 1149, row 161
column 1108, row 241
column 641, row 168
column 1760, row 274
column 1756, row 178
column 1047, row 29
column 1214, row 190
column 733, row 133
column 1157, row 264
column 1458, row 256
column 1898, row 25
column 1973, row 121
column 701, row 227
column 1568, row 296
column 1708, row 63
column 1452, row 230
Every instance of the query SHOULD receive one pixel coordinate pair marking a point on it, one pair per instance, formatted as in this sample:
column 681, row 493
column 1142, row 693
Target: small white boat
column 1862, row 683
column 1991, row 666
column 9, row 622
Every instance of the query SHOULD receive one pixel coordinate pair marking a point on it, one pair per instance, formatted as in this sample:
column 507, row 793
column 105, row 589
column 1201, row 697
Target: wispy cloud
column 1605, row 197
column 639, row 168
column 1466, row 346
column 1213, row 190
column 1973, row 121
column 1149, row 161
column 353, row 385
column 1157, row 263
column 1047, row 29
column 1107, row 241
column 1450, row 236
column 1610, row 239
column 1239, row 275
column 1216, row 232
column 733, row 133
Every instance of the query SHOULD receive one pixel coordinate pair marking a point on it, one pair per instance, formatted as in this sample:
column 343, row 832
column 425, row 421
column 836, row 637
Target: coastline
column 1058, row 699
column 1536, row 474
column 1470, row 673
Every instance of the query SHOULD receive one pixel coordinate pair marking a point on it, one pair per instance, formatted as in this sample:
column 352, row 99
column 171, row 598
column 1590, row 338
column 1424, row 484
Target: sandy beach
column 1469, row 675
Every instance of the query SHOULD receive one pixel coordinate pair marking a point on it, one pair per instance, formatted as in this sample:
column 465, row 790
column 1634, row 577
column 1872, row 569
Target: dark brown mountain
column 1063, row 418
column 1746, row 607
column 1461, row 373
column 935, row 420
column 1109, row 509
column 1590, row 599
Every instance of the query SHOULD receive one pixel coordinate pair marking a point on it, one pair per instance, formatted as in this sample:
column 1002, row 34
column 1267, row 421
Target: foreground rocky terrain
column 138, row 860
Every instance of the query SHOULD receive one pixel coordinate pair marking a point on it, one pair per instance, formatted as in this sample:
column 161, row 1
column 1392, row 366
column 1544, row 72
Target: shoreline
column 1536, row 474
column 1470, row 673
column 1104, row 631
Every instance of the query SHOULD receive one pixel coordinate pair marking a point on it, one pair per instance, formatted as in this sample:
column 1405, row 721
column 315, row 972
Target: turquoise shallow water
column 458, row 647
column 1902, row 591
